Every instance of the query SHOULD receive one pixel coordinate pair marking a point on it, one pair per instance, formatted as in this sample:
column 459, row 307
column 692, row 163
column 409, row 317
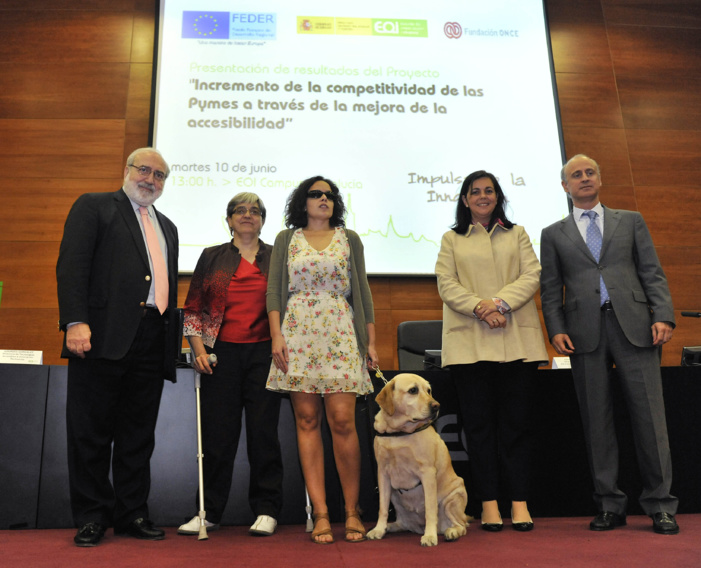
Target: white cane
column 212, row 359
column 308, row 509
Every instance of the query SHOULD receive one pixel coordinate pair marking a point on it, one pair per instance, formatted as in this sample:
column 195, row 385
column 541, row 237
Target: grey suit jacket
column 569, row 281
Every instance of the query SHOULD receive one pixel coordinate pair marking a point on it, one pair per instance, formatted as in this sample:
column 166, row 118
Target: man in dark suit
column 117, row 291
column 605, row 300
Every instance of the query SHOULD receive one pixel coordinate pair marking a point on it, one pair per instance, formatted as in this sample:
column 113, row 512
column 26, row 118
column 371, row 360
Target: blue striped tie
column 594, row 244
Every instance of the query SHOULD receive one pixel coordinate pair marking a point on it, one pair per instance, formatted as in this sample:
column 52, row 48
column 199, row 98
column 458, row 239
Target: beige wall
column 75, row 87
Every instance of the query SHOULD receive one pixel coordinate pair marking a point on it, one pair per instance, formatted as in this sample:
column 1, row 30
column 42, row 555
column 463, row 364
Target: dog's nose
column 435, row 406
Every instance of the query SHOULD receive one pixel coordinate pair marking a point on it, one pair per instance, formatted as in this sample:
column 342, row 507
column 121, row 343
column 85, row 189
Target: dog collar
column 393, row 434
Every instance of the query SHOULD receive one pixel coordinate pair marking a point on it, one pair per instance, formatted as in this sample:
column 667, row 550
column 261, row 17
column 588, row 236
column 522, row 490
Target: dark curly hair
column 296, row 208
column 463, row 215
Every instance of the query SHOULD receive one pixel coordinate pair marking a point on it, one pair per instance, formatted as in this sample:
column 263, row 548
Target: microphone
column 691, row 314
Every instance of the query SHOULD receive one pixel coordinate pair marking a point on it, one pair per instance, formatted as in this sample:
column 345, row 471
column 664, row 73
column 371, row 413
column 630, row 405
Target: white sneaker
column 193, row 526
column 264, row 526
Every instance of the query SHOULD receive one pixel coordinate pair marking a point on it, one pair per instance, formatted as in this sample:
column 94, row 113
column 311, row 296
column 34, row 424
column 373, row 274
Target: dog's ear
column 386, row 399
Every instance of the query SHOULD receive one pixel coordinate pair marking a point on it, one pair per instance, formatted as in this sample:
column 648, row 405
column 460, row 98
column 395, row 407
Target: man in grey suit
column 605, row 300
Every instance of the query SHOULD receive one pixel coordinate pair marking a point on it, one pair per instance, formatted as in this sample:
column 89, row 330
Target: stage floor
column 554, row 542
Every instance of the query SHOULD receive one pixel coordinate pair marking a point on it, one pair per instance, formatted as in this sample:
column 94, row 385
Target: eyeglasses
column 317, row 193
column 253, row 211
column 145, row 171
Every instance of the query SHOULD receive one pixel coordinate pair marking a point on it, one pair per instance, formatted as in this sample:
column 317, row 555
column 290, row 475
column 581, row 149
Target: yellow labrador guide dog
column 414, row 467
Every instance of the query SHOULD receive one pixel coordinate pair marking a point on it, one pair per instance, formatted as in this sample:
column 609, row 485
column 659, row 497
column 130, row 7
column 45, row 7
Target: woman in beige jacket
column 492, row 342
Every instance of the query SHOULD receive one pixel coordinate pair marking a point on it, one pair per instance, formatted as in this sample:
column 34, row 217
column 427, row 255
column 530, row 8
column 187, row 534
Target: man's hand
column 661, row 332
column 78, row 339
column 562, row 344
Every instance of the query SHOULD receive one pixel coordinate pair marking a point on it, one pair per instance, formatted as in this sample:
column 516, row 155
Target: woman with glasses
column 492, row 342
column 322, row 325
column 225, row 314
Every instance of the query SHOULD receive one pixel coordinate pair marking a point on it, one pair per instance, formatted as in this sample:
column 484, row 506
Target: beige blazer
column 478, row 265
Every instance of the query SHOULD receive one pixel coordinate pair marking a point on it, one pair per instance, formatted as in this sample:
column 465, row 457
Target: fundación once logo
column 452, row 30
column 205, row 25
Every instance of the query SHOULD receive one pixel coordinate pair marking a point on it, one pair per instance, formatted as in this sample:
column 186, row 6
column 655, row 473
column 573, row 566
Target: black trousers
column 111, row 413
column 238, row 384
column 495, row 403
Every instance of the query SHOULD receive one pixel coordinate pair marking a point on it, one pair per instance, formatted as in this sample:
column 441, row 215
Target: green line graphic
column 390, row 229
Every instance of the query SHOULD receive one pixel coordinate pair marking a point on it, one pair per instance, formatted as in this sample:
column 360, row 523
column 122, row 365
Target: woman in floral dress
column 322, row 345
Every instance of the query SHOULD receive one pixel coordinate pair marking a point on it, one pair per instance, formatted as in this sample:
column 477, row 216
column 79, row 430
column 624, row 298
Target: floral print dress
column 318, row 323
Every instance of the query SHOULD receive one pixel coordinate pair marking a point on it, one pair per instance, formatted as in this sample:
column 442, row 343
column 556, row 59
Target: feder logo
column 206, row 25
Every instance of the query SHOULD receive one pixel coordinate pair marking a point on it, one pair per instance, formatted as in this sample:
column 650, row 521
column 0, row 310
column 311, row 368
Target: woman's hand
column 201, row 364
column 197, row 348
column 485, row 308
column 280, row 355
column 373, row 359
column 495, row 320
column 487, row 311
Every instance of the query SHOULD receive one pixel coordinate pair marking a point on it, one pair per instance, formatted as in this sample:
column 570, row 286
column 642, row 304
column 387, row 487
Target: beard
column 143, row 193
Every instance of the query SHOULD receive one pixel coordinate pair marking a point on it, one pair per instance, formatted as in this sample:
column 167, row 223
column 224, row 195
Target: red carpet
column 554, row 542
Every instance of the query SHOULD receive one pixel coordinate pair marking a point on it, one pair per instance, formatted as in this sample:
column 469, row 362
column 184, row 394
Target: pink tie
column 160, row 273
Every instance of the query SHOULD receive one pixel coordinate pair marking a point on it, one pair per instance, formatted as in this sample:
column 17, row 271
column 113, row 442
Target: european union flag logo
column 206, row 25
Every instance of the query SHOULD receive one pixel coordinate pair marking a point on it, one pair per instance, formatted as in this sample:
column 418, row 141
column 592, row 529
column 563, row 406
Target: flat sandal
column 350, row 530
column 321, row 532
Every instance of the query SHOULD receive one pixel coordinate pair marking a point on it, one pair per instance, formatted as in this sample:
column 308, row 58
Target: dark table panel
column 32, row 402
column 22, row 402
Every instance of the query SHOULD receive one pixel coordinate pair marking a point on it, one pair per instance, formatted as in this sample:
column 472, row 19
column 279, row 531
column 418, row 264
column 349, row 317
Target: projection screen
column 395, row 101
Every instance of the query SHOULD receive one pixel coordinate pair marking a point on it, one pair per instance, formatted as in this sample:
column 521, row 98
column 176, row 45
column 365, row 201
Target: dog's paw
column 376, row 534
column 429, row 540
column 454, row 533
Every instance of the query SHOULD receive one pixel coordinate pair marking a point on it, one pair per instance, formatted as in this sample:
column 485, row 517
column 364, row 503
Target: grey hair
column 245, row 197
column 135, row 153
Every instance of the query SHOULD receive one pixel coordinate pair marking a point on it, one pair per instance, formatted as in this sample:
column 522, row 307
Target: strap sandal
column 354, row 527
column 317, row 532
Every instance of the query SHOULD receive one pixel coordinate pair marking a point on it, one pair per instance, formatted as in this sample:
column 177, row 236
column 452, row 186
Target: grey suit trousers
column 640, row 378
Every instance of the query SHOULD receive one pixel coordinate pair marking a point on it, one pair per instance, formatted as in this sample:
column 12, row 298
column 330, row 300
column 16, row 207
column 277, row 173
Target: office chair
column 413, row 339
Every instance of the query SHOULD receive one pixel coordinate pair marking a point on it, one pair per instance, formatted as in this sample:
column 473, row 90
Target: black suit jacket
column 104, row 277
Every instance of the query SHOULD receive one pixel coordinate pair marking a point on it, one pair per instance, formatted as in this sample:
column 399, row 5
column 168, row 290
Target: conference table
column 34, row 473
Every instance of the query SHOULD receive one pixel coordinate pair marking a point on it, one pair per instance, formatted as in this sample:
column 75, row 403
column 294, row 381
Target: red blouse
column 245, row 317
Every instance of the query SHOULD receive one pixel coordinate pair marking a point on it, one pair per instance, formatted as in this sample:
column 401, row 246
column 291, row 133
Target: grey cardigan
column 360, row 298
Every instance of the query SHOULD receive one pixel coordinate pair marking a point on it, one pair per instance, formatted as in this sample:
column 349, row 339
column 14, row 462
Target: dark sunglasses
column 317, row 193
